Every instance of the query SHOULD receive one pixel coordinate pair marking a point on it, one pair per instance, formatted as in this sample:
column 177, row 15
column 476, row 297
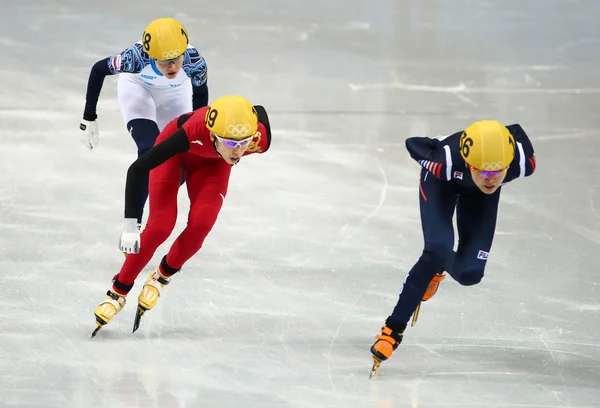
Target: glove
column 90, row 133
column 130, row 237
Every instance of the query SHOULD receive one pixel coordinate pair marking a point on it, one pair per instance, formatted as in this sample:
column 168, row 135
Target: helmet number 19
column 211, row 117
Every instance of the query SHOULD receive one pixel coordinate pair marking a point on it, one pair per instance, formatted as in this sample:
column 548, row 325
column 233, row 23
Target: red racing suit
column 183, row 148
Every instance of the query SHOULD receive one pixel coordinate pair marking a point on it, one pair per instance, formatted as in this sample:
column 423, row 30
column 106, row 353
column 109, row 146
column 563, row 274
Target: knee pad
column 469, row 277
column 144, row 132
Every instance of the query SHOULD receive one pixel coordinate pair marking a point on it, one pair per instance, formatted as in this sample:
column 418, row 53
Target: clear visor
column 232, row 144
column 168, row 62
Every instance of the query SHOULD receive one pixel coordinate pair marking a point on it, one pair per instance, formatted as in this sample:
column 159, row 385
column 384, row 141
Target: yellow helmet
column 487, row 145
column 165, row 39
column 232, row 117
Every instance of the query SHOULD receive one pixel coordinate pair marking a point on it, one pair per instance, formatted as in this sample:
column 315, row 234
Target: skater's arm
column 176, row 143
column 196, row 70
column 131, row 60
column 95, row 81
column 199, row 96
column 523, row 150
column 434, row 156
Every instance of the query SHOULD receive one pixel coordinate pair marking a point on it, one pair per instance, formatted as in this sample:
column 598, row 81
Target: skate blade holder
column 415, row 316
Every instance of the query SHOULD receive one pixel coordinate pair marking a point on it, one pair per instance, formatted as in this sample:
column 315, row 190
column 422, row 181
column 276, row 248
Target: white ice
column 280, row 307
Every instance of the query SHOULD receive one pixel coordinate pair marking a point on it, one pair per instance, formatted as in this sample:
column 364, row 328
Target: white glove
column 130, row 237
column 90, row 135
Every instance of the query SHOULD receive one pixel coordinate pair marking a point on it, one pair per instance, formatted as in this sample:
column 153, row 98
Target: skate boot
column 431, row 290
column 150, row 293
column 433, row 286
column 104, row 313
column 388, row 341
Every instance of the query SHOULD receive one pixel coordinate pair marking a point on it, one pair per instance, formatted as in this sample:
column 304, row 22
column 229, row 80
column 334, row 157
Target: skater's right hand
column 130, row 237
column 90, row 136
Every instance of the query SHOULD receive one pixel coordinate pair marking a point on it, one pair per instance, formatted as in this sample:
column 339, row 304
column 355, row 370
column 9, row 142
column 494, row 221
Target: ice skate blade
column 96, row 330
column 376, row 364
column 415, row 315
column 138, row 318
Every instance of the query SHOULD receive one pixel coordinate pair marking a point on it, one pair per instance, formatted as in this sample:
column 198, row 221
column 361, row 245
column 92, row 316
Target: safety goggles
column 486, row 173
column 166, row 63
column 232, row 144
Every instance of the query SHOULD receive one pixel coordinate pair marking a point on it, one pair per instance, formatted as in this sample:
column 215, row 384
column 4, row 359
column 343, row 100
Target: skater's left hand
column 90, row 136
column 130, row 237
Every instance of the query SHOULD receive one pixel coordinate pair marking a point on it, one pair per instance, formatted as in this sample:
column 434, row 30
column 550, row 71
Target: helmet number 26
column 465, row 144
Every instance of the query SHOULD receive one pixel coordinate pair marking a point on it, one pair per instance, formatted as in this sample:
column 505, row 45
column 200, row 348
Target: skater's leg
column 437, row 203
column 163, row 214
column 476, row 224
column 207, row 187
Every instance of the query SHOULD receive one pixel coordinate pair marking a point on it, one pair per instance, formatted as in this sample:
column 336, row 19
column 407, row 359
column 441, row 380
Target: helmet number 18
column 147, row 38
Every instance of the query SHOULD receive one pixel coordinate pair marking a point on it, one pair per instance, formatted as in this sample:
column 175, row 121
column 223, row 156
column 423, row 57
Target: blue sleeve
column 524, row 152
column 194, row 66
column 431, row 154
column 132, row 60
column 199, row 96
column 96, row 80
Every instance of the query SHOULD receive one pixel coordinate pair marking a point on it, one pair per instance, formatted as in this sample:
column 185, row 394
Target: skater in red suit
column 203, row 146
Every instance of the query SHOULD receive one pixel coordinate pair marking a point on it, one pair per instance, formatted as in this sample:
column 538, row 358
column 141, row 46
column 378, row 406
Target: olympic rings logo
column 171, row 54
column 238, row 130
column 493, row 166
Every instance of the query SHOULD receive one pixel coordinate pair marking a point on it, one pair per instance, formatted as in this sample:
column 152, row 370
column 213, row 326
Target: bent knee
column 159, row 227
column 144, row 132
column 203, row 225
column 470, row 277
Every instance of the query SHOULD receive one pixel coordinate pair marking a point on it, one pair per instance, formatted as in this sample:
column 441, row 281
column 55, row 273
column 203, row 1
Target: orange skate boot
column 431, row 290
column 388, row 341
column 434, row 285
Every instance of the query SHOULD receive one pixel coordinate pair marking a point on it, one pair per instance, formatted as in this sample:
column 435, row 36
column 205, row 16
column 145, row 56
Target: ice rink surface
column 281, row 306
